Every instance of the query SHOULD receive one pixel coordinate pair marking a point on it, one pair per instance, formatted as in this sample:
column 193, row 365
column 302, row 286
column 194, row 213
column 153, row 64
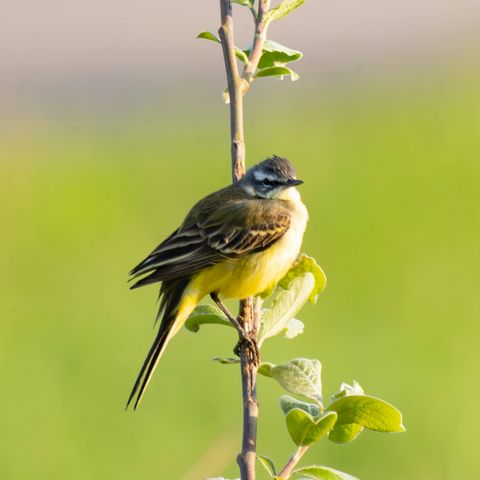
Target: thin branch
column 292, row 462
column 248, row 367
column 234, row 90
column 259, row 38
column 249, row 321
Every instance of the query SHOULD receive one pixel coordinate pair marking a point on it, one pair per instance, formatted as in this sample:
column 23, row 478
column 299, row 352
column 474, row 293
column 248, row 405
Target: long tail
column 176, row 308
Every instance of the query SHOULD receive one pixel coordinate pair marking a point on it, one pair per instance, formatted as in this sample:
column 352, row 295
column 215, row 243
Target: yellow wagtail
column 234, row 243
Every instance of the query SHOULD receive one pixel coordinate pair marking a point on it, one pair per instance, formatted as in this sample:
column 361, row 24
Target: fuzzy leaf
column 278, row 72
column 283, row 9
column 320, row 473
column 267, row 464
column 346, row 389
column 275, row 54
column 294, row 328
column 300, row 376
column 369, row 412
column 285, row 305
column 305, row 430
column 203, row 314
column 288, row 403
column 303, row 265
column 345, row 433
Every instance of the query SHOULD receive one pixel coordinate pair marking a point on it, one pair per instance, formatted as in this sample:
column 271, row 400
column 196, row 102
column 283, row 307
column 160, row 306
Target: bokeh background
column 112, row 125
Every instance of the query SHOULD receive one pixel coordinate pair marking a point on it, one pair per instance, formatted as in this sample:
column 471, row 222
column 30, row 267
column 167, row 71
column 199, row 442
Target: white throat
column 291, row 194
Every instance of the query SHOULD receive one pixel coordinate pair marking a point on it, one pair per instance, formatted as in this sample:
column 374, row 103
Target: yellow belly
column 251, row 275
column 243, row 277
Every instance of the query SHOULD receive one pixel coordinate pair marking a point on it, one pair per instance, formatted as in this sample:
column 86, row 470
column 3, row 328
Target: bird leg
column 247, row 339
column 214, row 296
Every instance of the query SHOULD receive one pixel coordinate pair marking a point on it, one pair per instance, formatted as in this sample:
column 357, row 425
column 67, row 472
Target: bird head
column 268, row 179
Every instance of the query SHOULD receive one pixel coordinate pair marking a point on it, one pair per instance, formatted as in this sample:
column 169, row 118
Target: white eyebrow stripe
column 260, row 175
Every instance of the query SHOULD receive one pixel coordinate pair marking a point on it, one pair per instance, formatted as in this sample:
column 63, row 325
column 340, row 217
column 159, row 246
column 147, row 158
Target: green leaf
column 320, row 473
column 288, row 403
column 282, row 10
column 203, row 314
column 285, row 305
column 304, row 281
column 305, row 430
column 275, row 54
column 268, row 464
column 300, row 376
column 241, row 55
column 303, row 265
column 278, row 72
column 265, row 369
column 281, row 52
column 210, row 36
column 245, row 3
column 273, row 60
column 226, row 360
column 345, row 433
column 369, row 412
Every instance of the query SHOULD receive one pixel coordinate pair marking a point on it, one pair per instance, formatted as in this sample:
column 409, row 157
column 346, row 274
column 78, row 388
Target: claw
column 247, row 341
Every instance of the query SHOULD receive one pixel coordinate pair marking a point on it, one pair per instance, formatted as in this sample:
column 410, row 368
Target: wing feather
column 217, row 228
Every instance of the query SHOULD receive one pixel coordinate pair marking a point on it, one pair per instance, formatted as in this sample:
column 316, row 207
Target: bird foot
column 247, row 342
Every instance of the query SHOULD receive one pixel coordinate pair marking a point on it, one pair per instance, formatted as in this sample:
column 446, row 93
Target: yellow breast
column 243, row 277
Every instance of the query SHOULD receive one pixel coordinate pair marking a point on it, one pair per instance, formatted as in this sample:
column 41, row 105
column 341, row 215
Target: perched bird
column 234, row 243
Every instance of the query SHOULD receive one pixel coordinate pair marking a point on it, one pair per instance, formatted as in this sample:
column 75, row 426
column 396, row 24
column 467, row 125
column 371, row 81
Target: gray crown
column 278, row 166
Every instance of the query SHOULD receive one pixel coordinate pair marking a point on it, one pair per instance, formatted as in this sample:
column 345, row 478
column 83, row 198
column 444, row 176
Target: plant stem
column 292, row 461
column 248, row 367
column 248, row 364
column 258, row 40
column 234, row 90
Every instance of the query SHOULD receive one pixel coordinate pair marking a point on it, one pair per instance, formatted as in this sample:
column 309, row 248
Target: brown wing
column 226, row 224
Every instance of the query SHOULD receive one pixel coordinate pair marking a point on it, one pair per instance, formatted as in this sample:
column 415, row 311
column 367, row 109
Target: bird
column 234, row 243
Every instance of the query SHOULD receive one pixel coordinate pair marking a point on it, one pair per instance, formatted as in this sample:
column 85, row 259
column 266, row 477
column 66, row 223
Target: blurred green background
column 391, row 163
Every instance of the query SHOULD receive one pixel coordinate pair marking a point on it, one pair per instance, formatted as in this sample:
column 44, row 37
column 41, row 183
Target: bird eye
column 267, row 181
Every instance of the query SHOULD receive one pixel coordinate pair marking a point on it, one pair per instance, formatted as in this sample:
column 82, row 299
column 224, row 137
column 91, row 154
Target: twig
column 248, row 319
column 293, row 460
column 234, row 90
column 258, row 40
column 248, row 366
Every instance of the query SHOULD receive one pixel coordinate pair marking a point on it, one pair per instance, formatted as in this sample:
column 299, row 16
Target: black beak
column 294, row 182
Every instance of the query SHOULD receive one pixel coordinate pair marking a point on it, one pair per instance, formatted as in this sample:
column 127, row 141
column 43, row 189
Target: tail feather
column 175, row 312
column 146, row 371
